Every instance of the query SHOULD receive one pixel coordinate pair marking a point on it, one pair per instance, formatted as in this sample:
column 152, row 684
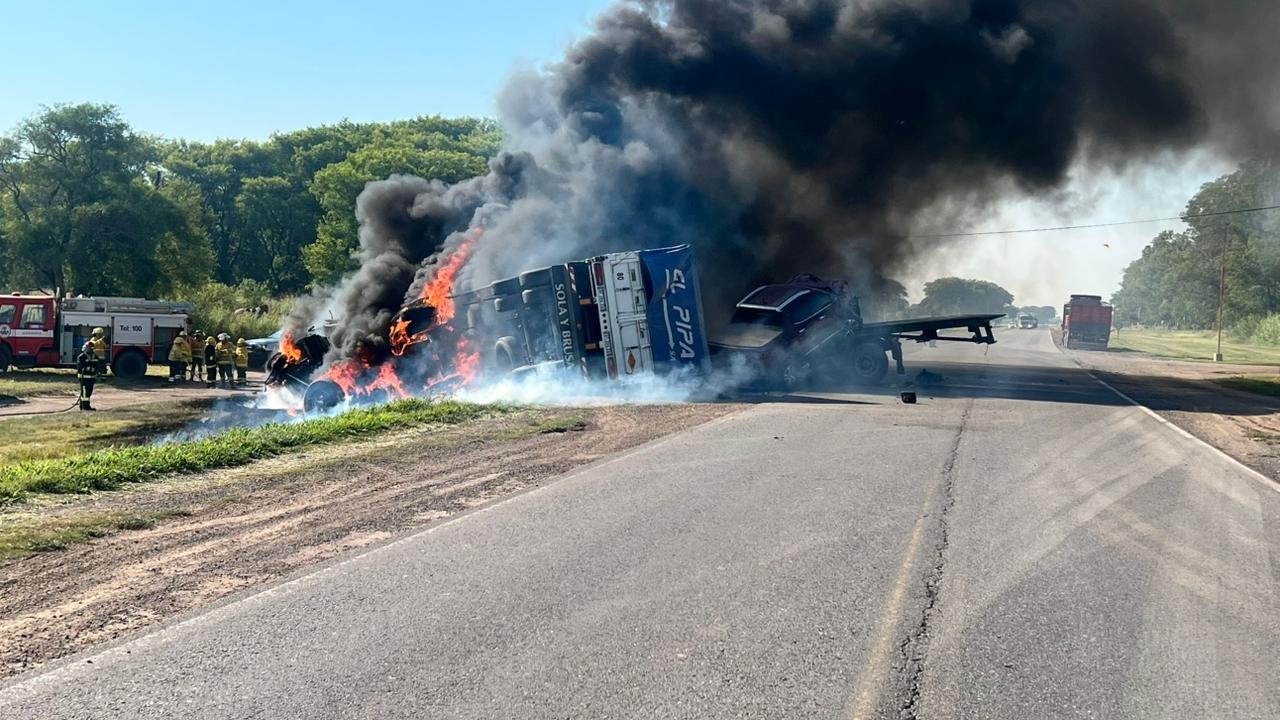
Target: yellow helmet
column 99, row 332
column 242, row 341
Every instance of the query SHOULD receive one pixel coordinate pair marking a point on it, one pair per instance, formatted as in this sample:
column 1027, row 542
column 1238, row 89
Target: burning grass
column 111, row 468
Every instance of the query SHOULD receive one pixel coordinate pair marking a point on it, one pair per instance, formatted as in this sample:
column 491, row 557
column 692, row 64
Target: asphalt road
column 1021, row 543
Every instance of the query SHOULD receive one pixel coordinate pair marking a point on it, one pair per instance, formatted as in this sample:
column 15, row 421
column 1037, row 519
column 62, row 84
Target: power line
column 1184, row 218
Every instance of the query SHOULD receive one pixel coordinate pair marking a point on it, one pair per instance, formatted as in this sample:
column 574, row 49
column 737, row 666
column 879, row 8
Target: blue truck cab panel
column 608, row 316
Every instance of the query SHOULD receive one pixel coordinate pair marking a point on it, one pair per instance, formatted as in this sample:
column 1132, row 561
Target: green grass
column 108, row 469
column 60, row 435
column 44, row 535
column 1193, row 345
column 1262, row 385
column 545, row 426
column 36, row 382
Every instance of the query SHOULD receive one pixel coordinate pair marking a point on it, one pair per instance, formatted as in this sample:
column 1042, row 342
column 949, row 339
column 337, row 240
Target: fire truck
column 47, row 331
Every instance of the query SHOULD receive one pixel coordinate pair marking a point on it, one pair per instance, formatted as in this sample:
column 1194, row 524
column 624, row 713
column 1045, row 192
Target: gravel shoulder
column 110, row 393
column 1242, row 424
column 227, row 531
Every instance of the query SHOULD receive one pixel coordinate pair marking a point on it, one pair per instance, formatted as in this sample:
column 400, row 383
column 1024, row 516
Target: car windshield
column 757, row 316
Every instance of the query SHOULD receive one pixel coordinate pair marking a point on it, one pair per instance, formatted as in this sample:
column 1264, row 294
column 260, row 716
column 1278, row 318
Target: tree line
column 90, row 205
column 1175, row 283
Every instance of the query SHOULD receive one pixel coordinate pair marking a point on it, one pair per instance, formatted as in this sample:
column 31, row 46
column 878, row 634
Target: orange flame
column 345, row 374
column 388, row 381
column 438, row 293
column 291, row 352
column 399, row 337
column 354, row 375
column 468, row 362
column 466, row 365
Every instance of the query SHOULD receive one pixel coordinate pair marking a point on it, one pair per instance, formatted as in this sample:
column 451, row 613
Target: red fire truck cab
column 45, row 331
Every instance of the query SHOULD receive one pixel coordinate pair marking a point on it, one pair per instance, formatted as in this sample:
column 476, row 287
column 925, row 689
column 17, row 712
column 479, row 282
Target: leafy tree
column 330, row 163
column 278, row 220
column 1175, row 282
column 82, row 211
column 886, row 300
column 955, row 296
column 337, row 186
column 88, row 204
column 1044, row 313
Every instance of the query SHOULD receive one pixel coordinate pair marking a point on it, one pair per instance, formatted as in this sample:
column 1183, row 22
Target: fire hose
column 74, row 404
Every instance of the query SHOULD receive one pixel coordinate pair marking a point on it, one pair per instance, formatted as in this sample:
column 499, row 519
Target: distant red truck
column 1086, row 322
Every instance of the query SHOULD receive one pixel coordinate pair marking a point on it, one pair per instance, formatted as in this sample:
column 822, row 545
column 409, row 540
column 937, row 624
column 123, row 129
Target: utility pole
column 1222, row 292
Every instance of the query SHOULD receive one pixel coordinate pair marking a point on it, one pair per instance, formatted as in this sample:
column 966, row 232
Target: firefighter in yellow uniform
column 101, row 350
column 211, row 360
column 179, row 356
column 86, row 373
column 197, row 356
column 224, row 353
column 242, row 360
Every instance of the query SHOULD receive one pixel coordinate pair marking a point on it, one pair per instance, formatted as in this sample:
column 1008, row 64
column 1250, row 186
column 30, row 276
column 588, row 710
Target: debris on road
column 924, row 377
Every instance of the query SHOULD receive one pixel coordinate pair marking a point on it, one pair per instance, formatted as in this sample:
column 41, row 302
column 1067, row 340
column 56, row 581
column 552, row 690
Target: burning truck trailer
column 631, row 314
column 606, row 318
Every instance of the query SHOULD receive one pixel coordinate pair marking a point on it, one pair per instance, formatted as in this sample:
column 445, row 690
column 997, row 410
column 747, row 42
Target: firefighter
column 211, row 359
column 242, row 360
column 179, row 356
column 224, row 352
column 86, row 373
column 101, row 350
column 197, row 356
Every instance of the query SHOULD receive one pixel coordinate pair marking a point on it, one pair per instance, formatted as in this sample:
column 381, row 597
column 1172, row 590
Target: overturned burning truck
column 611, row 317
column 608, row 317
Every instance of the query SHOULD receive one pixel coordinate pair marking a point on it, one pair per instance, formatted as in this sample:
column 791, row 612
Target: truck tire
column 510, row 286
column 322, row 396
column 129, row 365
column 535, row 278
column 503, row 304
column 6, row 359
column 532, row 297
column 870, row 363
column 504, row 355
column 473, row 316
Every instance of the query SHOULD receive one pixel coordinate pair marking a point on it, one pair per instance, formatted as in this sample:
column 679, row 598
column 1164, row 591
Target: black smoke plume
column 794, row 136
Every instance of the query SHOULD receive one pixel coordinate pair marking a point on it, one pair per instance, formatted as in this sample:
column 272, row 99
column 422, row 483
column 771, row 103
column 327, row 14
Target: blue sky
column 203, row 70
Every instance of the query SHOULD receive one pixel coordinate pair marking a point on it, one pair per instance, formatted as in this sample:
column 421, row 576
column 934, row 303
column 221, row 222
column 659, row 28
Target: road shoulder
column 216, row 534
column 1244, row 425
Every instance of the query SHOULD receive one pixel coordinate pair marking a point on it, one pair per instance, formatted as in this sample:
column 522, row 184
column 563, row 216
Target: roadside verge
column 226, row 531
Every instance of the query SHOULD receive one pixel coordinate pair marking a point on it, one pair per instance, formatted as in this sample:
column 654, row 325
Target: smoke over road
column 807, row 135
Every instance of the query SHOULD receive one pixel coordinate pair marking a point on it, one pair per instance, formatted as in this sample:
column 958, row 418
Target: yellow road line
column 874, row 673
